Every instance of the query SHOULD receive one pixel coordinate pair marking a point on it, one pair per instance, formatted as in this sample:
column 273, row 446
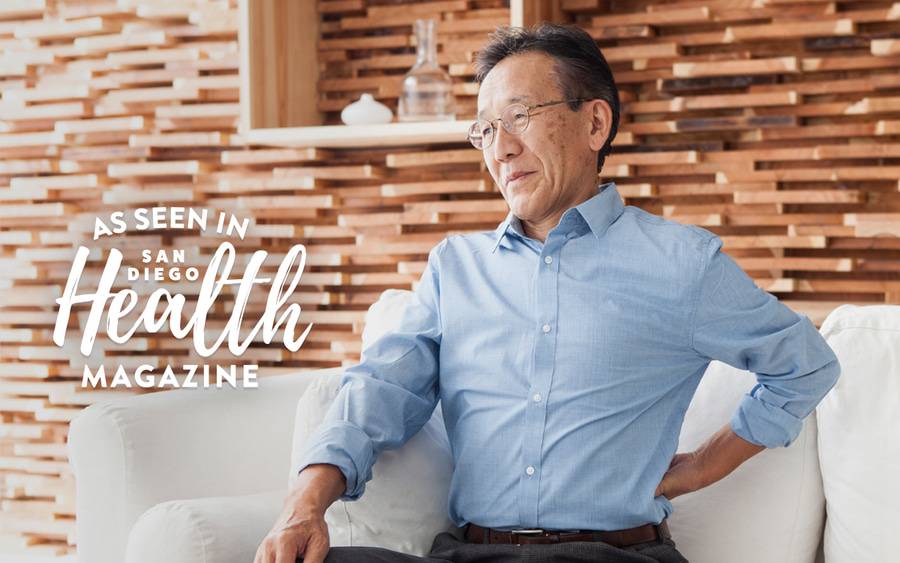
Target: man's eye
column 485, row 131
column 520, row 115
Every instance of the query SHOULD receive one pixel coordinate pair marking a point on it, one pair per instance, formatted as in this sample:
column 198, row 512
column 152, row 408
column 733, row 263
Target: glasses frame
column 507, row 127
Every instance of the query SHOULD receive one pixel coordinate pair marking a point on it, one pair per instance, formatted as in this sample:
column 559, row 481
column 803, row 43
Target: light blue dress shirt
column 564, row 368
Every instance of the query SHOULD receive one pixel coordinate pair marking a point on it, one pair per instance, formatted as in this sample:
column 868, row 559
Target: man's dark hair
column 581, row 69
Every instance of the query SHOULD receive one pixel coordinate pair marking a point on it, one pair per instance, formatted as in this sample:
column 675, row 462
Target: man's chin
column 519, row 211
column 518, row 203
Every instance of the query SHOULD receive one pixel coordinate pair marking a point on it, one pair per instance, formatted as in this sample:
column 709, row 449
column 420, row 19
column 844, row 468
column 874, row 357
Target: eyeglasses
column 515, row 119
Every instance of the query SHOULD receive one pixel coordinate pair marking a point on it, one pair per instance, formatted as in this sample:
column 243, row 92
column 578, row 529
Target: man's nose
column 506, row 145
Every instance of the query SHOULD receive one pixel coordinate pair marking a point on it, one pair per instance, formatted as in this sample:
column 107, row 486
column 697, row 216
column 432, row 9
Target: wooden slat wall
column 775, row 126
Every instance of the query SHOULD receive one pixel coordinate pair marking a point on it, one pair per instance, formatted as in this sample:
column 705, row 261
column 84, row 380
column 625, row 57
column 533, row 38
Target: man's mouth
column 516, row 177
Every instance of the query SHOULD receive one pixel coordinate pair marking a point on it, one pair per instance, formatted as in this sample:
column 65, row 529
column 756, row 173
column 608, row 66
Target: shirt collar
column 599, row 212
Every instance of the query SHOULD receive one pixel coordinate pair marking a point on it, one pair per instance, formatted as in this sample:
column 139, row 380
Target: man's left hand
column 683, row 476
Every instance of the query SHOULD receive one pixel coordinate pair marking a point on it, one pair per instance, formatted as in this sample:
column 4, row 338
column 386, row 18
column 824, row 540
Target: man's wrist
column 317, row 486
column 723, row 453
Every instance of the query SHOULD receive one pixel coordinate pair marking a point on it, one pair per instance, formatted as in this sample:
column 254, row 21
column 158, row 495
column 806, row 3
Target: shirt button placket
column 544, row 358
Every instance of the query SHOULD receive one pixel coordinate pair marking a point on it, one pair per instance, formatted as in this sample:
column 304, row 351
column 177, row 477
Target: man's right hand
column 293, row 536
column 300, row 530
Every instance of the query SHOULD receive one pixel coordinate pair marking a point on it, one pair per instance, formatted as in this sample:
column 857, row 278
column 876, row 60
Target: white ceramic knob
column 366, row 110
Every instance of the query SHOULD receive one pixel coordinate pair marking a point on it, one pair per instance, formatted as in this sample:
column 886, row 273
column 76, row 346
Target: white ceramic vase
column 366, row 110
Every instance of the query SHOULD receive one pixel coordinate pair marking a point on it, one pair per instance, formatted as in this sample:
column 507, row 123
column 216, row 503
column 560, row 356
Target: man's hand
column 295, row 535
column 301, row 529
column 716, row 458
column 683, row 476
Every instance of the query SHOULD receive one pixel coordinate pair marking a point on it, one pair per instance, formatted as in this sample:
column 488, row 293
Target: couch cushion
column 859, row 450
column 405, row 504
column 771, row 508
column 385, row 314
column 204, row 530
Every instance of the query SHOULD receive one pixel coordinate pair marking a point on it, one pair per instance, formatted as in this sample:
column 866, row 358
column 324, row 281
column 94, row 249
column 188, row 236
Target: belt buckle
column 526, row 531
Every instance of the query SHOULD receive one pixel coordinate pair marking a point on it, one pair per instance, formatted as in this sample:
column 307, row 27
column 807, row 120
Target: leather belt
column 618, row 538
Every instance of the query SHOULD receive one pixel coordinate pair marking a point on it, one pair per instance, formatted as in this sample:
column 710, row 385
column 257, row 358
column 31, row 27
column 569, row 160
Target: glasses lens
column 515, row 118
column 481, row 134
column 476, row 136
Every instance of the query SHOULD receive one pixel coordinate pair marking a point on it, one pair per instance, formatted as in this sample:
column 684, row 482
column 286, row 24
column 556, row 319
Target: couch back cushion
column 771, row 508
column 859, row 447
column 384, row 315
column 405, row 504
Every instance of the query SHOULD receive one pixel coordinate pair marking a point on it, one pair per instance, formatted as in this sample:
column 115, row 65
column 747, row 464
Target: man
column 565, row 347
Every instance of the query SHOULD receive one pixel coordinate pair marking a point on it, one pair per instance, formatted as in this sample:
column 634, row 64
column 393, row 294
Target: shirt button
column 546, row 328
column 529, row 470
column 536, row 397
column 548, row 259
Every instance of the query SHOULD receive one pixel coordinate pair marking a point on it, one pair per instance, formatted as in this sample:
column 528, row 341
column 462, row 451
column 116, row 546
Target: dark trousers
column 447, row 548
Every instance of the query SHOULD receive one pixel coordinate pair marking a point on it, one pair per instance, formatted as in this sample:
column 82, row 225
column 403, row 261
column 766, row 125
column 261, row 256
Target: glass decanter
column 427, row 93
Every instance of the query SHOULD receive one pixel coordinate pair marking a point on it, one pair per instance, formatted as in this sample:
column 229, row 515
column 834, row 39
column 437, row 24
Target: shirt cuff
column 347, row 447
column 761, row 420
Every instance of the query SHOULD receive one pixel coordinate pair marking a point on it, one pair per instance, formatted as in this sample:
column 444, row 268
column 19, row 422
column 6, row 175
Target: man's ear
column 601, row 122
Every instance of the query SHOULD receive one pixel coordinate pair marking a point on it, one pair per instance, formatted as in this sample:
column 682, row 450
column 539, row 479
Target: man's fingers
column 264, row 553
column 293, row 537
column 316, row 551
column 286, row 552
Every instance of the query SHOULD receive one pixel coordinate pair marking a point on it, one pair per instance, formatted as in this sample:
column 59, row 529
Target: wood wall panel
column 774, row 124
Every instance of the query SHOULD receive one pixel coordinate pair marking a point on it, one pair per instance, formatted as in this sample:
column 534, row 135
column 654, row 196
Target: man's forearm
column 716, row 458
column 317, row 487
column 723, row 452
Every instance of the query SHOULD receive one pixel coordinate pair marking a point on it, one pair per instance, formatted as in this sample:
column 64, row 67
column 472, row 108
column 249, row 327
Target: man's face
column 555, row 150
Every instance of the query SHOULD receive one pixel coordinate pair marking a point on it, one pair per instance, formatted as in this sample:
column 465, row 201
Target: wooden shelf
column 342, row 136
column 293, row 79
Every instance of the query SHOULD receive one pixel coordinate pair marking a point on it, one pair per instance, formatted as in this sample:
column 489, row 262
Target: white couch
column 200, row 475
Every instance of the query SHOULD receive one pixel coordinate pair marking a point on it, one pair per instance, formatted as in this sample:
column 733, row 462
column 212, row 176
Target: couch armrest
column 130, row 454
column 204, row 530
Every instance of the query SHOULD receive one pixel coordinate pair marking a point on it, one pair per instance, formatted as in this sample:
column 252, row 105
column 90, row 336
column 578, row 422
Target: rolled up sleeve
column 389, row 395
column 738, row 323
